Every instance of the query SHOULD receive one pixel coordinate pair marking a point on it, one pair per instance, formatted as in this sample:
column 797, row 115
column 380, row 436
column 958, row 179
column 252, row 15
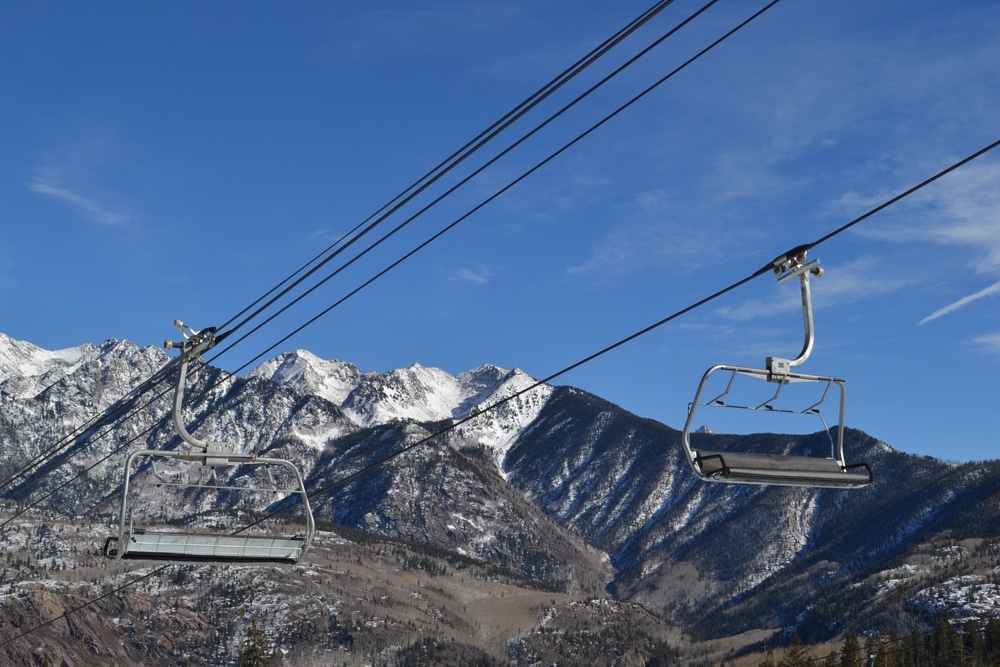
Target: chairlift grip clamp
column 791, row 265
column 192, row 342
column 778, row 368
column 794, row 264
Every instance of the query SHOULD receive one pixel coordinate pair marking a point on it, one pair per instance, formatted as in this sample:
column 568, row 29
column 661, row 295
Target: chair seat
column 780, row 469
column 214, row 548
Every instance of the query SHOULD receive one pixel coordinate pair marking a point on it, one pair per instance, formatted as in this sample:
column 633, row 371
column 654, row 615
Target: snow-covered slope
column 304, row 371
column 420, row 394
column 26, row 369
column 448, row 460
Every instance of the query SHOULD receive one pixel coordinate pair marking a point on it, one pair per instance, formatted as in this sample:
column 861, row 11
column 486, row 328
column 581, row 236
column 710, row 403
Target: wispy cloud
column 961, row 303
column 989, row 343
column 112, row 216
column 962, row 212
column 820, row 112
column 479, row 274
column 423, row 29
column 863, row 278
column 971, row 214
column 663, row 227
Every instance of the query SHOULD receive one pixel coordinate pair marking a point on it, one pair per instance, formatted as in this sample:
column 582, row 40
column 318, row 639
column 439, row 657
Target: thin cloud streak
column 91, row 208
column 990, row 343
column 960, row 212
column 961, row 303
column 843, row 284
column 478, row 275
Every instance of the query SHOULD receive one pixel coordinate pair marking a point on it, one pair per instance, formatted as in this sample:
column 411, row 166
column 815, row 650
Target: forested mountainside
column 556, row 491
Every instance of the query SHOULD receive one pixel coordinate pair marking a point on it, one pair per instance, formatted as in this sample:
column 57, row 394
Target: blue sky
column 179, row 160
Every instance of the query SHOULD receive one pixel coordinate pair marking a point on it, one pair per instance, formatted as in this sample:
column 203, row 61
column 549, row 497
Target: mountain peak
column 333, row 380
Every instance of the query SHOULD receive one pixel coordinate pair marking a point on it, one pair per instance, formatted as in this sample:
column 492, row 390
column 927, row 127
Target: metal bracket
column 192, row 342
column 191, row 345
column 787, row 267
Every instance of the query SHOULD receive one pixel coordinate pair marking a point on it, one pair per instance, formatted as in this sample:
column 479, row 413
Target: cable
column 475, row 173
column 511, row 184
column 897, row 198
column 453, row 161
column 415, row 189
column 551, row 377
column 767, row 268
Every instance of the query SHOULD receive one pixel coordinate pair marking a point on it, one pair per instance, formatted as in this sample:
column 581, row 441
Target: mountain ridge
column 555, row 484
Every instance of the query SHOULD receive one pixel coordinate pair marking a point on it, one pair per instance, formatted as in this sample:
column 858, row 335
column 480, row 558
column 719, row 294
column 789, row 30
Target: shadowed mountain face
column 554, row 484
column 729, row 556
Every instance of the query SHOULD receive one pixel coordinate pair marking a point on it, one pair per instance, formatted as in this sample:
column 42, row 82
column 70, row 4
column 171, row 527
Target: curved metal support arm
column 193, row 343
column 786, row 268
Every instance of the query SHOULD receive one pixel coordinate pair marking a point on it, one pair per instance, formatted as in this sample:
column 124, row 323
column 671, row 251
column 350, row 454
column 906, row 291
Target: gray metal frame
column 132, row 543
column 191, row 546
column 757, row 468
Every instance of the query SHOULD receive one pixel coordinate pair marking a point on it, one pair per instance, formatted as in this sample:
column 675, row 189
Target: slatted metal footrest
column 148, row 545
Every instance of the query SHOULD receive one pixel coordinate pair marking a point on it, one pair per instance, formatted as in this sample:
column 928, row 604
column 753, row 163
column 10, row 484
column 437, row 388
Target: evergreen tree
column 850, row 653
column 871, row 650
column 768, row 660
column 256, row 652
column 662, row 655
column 890, row 651
column 945, row 644
column 991, row 642
column 795, row 654
column 972, row 640
column 914, row 652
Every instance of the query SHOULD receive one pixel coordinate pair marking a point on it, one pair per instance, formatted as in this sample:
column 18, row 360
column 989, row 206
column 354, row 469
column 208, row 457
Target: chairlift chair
column 781, row 469
column 238, row 546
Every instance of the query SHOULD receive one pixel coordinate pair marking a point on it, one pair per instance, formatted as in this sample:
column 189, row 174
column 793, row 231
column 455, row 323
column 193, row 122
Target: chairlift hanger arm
column 786, row 267
column 191, row 345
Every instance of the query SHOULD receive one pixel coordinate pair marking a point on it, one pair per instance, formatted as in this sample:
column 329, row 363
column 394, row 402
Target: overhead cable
column 444, row 167
column 119, row 410
column 549, row 378
column 507, row 187
column 656, row 325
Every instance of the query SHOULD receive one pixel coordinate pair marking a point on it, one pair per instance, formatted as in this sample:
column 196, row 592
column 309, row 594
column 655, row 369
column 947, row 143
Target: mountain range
column 547, row 484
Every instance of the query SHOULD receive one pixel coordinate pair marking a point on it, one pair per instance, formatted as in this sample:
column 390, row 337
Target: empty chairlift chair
column 773, row 468
column 246, row 544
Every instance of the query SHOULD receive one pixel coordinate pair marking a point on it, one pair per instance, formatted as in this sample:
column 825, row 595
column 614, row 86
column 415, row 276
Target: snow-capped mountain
column 494, row 405
column 305, row 372
column 546, row 481
column 417, row 393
